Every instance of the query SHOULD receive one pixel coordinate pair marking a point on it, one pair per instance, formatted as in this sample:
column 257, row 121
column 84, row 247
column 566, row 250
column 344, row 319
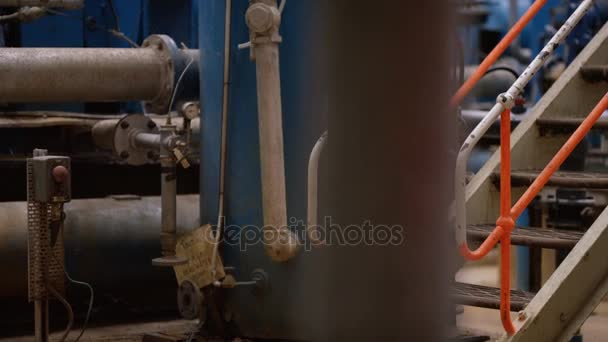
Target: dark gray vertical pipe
column 390, row 165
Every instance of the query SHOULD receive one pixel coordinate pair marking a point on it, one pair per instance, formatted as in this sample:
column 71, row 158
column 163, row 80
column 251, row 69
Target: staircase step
column 565, row 125
column 566, row 179
column 487, row 297
column 532, row 237
column 595, row 73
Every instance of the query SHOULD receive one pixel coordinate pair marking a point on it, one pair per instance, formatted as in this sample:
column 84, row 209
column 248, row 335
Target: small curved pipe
column 313, row 172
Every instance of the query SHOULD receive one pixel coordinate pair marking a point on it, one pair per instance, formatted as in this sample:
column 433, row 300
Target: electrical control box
column 52, row 179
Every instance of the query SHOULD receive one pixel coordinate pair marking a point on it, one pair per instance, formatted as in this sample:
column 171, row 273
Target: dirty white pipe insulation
column 263, row 19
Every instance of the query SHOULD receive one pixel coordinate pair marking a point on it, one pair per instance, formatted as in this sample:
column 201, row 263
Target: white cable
column 179, row 81
column 86, row 320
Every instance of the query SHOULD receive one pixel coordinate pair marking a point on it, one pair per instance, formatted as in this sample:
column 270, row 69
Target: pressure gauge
column 191, row 110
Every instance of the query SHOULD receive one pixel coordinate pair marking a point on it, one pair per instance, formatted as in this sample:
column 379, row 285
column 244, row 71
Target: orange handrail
column 508, row 215
column 495, row 54
column 560, row 157
column 505, row 221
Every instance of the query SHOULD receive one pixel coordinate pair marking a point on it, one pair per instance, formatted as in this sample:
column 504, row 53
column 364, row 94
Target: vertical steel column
column 41, row 320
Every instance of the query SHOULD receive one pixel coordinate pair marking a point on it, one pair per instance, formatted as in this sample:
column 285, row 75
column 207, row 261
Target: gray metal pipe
column 103, row 133
column 67, row 4
column 146, row 140
column 83, row 75
column 109, row 242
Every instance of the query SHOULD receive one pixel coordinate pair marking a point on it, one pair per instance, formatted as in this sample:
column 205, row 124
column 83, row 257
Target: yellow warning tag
column 197, row 247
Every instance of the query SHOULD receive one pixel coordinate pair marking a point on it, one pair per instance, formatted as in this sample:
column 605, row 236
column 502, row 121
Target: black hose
column 68, row 308
column 503, row 68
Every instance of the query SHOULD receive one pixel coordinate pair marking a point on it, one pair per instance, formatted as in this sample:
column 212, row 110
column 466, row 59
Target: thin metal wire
column 68, row 308
column 179, row 81
column 81, row 283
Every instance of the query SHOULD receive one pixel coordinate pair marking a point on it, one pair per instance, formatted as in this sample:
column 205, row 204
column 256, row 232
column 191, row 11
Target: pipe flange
column 125, row 130
column 190, row 300
column 167, row 50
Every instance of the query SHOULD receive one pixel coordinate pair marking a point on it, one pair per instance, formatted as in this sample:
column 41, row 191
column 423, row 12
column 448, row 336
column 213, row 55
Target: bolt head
column 124, row 125
column 521, row 316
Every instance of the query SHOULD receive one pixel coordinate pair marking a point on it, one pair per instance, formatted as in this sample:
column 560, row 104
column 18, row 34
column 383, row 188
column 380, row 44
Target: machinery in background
column 95, row 64
column 83, row 115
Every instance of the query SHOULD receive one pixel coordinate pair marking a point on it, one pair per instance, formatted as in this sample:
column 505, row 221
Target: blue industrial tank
column 304, row 109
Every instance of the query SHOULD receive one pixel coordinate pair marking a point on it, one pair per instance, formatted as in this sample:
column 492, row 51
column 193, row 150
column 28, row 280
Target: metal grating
column 533, row 237
column 487, row 297
column 42, row 266
column 585, row 180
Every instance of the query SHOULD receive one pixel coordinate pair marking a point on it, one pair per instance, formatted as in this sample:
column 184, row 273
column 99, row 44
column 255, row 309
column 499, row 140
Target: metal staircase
column 576, row 287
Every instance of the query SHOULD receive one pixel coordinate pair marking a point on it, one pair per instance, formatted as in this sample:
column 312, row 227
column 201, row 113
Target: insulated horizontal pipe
column 109, row 243
column 67, row 4
column 51, row 75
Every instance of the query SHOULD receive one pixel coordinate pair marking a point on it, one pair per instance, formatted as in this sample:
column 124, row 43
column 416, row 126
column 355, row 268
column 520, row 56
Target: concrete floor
column 475, row 320
column 487, row 321
column 120, row 333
